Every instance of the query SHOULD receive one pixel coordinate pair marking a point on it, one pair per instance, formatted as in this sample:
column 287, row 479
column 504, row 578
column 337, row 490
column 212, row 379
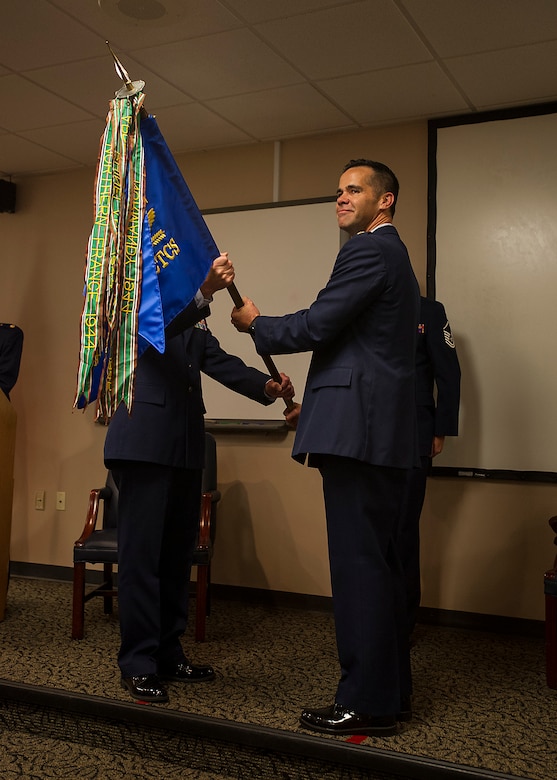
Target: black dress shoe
column 336, row 719
column 146, row 687
column 186, row 672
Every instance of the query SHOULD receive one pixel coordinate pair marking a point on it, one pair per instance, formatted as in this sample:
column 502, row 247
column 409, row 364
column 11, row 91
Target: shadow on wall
column 266, row 542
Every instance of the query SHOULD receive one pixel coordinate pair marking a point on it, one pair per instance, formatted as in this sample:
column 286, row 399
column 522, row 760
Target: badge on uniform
column 202, row 325
column 449, row 340
column 421, row 328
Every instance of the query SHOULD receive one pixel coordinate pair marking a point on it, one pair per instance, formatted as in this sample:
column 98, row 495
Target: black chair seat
column 100, row 546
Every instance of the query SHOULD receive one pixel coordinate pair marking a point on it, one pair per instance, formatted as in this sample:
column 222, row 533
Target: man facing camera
column 357, row 425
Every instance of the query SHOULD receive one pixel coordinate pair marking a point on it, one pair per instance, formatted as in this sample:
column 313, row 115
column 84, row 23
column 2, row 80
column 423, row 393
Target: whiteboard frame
column 470, row 471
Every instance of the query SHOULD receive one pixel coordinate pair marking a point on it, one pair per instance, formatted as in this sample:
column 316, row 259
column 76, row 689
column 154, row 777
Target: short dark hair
column 383, row 178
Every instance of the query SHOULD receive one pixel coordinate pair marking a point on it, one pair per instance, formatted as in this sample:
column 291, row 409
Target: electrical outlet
column 39, row 499
column 60, row 500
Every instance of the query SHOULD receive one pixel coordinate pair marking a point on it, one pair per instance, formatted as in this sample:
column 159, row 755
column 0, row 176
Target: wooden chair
column 99, row 545
column 550, row 590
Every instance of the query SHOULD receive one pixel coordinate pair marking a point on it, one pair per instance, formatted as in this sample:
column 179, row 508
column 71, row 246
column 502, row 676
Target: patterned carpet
column 480, row 699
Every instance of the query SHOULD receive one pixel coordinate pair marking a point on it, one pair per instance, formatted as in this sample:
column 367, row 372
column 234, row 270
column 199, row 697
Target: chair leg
column 551, row 639
column 107, row 567
column 201, row 603
column 78, row 605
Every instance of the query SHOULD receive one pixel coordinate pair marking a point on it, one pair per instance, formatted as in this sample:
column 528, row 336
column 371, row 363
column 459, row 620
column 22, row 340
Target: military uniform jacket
column 166, row 424
column 359, row 399
column 436, row 366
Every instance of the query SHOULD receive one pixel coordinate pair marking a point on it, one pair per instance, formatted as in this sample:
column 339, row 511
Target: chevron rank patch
column 449, row 340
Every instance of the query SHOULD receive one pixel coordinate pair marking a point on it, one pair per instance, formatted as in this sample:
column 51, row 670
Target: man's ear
column 387, row 200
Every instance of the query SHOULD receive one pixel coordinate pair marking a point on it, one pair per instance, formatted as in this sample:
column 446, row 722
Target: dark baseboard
column 472, row 621
column 475, row 621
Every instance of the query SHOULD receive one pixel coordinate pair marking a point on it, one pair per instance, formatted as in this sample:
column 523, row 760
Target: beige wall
column 485, row 546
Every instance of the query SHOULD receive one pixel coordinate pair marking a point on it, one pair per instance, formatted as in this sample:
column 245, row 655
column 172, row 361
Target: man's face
column 358, row 204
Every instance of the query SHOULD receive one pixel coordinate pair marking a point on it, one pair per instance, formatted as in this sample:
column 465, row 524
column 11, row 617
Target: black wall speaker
column 7, row 196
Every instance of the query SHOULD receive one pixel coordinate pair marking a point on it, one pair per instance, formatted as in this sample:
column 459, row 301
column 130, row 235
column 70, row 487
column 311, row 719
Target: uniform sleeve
column 446, row 369
column 232, row 372
column 358, row 278
column 11, row 347
column 186, row 319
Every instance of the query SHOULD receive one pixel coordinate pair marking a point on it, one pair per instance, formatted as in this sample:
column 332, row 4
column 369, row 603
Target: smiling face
column 359, row 205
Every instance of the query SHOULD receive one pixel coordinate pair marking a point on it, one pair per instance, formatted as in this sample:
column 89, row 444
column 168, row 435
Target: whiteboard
column 283, row 255
column 496, row 274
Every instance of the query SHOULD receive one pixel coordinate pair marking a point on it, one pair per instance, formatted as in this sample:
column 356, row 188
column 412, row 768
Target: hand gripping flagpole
column 131, row 88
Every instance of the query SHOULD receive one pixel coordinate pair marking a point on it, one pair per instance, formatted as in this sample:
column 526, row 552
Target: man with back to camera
column 156, row 454
column 357, row 424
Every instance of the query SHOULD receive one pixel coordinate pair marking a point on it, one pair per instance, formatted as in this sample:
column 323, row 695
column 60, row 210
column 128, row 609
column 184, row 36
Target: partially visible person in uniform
column 11, row 347
column 156, row 454
column 437, row 400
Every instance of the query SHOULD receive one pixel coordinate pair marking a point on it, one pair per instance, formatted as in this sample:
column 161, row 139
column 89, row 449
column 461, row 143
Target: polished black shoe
column 146, row 687
column 186, row 672
column 336, row 719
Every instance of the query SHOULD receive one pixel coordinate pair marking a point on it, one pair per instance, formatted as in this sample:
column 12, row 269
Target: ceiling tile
column 456, row 28
column 20, row 156
column 195, row 127
column 78, row 141
column 26, row 106
column 263, row 10
column 352, row 39
column 92, row 83
column 219, row 65
column 399, row 94
column 509, row 77
column 33, row 33
column 282, row 112
column 189, row 19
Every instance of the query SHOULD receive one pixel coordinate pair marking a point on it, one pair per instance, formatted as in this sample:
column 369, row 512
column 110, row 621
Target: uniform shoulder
column 430, row 307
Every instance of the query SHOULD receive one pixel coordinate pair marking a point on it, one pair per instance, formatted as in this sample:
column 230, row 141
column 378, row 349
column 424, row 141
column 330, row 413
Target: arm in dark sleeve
column 186, row 319
column 11, row 347
column 359, row 276
column 446, row 369
column 232, row 372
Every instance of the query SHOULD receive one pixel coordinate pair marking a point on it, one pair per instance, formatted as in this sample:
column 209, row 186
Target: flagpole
column 131, row 88
column 267, row 359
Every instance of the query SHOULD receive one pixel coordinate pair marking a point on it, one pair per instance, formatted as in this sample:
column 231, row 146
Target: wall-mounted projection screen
column 283, row 256
column 495, row 264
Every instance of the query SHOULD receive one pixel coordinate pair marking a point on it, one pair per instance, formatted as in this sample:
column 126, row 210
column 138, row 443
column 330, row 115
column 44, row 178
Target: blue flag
column 178, row 248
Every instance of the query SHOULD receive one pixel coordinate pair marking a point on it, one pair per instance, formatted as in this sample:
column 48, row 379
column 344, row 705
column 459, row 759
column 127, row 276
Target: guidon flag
column 148, row 252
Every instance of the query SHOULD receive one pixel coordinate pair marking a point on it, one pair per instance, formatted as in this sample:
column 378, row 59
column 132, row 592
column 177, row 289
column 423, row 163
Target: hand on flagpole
column 284, row 389
column 291, row 415
column 243, row 317
column 221, row 275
